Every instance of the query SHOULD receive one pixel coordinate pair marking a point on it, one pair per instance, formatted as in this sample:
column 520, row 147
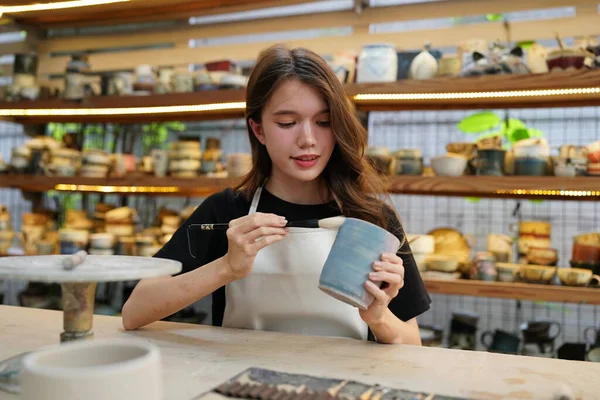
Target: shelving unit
column 514, row 290
column 559, row 89
column 549, row 188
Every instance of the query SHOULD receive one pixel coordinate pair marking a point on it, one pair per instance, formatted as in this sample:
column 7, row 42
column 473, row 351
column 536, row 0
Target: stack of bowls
column 408, row 162
column 96, row 164
column 20, row 157
column 73, row 240
column 102, row 244
column 184, row 159
column 211, row 159
column 238, row 164
column 64, row 161
column 120, row 221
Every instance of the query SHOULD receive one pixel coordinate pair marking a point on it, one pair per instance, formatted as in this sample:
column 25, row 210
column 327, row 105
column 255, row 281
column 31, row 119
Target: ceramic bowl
column 117, row 369
column 442, row 263
column 568, row 59
column 172, row 220
column 508, row 272
column 593, row 169
column 120, row 229
column 537, row 273
column 586, row 253
column 577, row 276
column 357, row 246
column 102, row 240
column 449, row 165
column 542, row 255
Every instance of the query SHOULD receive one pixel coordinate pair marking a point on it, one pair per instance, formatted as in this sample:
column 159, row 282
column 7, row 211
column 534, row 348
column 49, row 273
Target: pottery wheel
column 94, row 268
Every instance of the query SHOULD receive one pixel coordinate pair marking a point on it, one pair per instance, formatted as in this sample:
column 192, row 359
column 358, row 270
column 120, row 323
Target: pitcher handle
column 484, row 336
column 586, row 334
column 558, row 332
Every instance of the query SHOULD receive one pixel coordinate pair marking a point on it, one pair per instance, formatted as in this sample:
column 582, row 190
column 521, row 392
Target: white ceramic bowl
column 116, row 369
column 449, row 165
column 102, row 240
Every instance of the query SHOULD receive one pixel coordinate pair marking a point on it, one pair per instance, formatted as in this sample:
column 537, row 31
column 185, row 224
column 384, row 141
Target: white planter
column 117, row 369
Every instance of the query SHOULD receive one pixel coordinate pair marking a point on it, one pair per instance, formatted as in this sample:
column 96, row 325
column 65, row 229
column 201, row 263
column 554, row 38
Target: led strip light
column 59, row 5
column 475, row 95
column 84, row 112
column 548, row 192
column 116, row 189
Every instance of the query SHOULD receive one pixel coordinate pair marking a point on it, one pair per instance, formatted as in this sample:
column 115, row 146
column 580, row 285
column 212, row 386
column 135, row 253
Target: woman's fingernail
column 372, row 274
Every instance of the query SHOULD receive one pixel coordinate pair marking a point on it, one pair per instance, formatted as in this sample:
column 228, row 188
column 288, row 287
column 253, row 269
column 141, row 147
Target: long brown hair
column 348, row 175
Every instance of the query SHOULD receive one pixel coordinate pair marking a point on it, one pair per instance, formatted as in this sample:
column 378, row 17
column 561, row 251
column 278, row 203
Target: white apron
column 281, row 292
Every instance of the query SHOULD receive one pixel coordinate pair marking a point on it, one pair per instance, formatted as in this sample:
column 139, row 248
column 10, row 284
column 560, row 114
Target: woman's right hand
column 242, row 237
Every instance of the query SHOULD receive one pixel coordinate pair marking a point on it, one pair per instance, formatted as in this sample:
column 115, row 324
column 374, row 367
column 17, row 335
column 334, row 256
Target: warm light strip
column 548, row 192
column 476, row 95
column 116, row 189
column 55, row 6
column 85, row 112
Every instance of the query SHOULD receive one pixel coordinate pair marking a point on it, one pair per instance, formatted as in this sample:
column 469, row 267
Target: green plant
column 487, row 124
column 155, row 135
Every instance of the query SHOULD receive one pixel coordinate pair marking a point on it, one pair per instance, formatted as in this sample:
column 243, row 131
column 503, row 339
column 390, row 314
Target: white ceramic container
column 116, row 369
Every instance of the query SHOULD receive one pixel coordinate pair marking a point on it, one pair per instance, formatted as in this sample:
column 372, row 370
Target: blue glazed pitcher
column 357, row 246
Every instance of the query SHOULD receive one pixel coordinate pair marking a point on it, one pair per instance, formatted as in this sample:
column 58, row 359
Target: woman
column 308, row 163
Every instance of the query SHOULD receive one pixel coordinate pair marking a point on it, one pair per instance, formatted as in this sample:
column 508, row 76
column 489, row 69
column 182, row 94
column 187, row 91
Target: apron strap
column 255, row 199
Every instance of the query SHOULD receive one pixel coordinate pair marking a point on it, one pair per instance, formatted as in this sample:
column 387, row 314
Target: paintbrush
column 325, row 223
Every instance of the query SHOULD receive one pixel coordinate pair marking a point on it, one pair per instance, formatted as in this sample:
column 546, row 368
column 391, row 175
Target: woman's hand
column 389, row 273
column 242, row 237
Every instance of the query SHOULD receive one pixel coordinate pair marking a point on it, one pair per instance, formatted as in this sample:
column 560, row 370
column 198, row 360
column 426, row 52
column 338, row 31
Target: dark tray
column 263, row 384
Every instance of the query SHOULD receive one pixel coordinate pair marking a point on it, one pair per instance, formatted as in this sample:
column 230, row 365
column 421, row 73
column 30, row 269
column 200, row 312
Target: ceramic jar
column 377, row 63
column 408, row 162
column 483, row 267
column 490, row 162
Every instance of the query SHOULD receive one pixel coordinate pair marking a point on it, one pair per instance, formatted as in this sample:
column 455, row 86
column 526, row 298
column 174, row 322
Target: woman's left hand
column 389, row 273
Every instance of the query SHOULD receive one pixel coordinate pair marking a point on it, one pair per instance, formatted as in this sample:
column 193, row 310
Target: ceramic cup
column 490, row 162
column 116, row 369
column 594, row 355
column 357, row 246
column 500, row 341
column 539, row 331
column 572, row 351
column 592, row 336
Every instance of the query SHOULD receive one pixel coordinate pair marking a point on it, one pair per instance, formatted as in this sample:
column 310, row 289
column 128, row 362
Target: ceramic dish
column 537, row 273
column 577, row 277
column 508, row 272
column 442, row 263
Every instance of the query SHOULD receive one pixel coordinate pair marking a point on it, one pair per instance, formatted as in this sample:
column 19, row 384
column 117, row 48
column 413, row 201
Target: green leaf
column 494, row 17
column 473, row 199
column 518, row 134
column 536, row 201
column 489, row 135
column 479, row 122
column 526, row 44
column 512, row 124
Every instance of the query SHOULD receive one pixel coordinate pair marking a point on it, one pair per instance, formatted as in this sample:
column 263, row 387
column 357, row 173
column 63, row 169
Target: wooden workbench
column 197, row 358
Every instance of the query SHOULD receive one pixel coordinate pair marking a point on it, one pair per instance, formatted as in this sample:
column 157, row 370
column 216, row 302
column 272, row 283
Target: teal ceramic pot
column 500, row 341
column 490, row 162
column 357, row 246
column 530, row 166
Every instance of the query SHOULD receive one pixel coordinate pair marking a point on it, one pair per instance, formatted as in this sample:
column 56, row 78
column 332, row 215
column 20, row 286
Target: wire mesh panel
column 430, row 131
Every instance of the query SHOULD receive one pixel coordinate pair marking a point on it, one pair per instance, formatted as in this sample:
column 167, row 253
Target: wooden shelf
column 548, row 188
column 514, row 290
column 503, row 91
column 131, row 185
column 117, row 109
column 530, row 187
column 500, row 91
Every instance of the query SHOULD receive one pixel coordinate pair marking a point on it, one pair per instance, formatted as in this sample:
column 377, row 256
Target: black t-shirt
column 222, row 207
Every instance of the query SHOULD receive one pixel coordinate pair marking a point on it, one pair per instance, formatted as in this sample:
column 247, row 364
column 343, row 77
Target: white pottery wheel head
column 94, row 268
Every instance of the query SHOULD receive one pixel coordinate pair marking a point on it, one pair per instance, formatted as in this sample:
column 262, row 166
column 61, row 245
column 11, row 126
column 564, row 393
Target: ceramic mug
column 357, row 246
column 490, row 162
column 116, row 369
column 572, row 351
column 539, row 331
column 500, row 341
